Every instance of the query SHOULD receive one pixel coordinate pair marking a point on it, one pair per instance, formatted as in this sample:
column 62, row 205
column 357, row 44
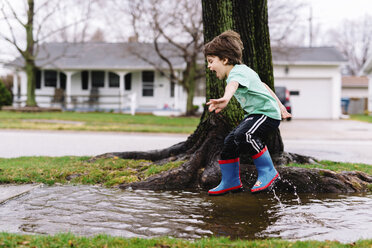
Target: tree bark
column 29, row 56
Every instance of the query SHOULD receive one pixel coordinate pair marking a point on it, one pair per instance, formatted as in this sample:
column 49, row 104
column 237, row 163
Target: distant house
column 367, row 70
column 312, row 75
column 355, row 94
column 110, row 76
column 101, row 76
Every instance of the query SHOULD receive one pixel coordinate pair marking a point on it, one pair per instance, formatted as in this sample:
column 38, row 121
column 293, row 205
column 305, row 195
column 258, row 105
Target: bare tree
column 354, row 39
column 284, row 19
column 36, row 20
column 177, row 23
column 98, row 36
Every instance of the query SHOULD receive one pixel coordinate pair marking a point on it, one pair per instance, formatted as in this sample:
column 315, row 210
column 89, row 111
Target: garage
column 310, row 98
column 313, row 77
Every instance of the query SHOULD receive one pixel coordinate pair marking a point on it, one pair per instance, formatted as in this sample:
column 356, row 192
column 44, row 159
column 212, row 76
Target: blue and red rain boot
column 266, row 171
column 230, row 171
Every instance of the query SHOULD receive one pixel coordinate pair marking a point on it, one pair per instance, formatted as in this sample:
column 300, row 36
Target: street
column 338, row 140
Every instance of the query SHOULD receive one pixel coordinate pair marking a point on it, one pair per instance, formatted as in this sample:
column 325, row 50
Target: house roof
column 103, row 56
column 308, row 55
column 354, row 81
column 113, row 56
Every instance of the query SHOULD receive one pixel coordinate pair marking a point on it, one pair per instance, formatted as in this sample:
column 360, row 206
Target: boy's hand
column 217, row 104
column 285, row 114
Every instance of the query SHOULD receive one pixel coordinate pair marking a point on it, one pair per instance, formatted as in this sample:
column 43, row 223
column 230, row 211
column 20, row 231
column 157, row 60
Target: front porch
column 87, row 90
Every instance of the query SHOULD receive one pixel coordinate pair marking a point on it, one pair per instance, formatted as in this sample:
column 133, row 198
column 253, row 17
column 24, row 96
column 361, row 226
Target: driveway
column 338, row 140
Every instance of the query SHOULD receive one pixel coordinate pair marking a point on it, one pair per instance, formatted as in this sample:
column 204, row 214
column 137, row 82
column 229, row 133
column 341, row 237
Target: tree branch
column 15, row 14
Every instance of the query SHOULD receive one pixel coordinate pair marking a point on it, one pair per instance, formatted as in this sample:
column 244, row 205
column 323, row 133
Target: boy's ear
column 225, row 61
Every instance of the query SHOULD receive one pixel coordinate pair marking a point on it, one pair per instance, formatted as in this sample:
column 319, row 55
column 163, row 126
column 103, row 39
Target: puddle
column 90, row 210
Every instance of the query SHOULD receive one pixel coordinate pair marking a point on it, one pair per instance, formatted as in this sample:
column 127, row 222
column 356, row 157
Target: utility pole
column 311, row 27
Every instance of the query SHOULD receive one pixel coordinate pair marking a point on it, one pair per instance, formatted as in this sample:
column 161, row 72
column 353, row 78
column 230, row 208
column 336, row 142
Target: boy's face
column 220, row 67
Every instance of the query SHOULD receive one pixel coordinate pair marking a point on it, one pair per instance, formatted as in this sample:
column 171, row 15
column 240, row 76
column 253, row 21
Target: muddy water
column 87, row 210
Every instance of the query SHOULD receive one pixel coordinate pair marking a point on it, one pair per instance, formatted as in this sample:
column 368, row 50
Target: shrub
column 5, row 96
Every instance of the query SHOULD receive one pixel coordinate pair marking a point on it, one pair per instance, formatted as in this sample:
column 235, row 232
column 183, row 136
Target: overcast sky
column 332, row 12
column 326, row 14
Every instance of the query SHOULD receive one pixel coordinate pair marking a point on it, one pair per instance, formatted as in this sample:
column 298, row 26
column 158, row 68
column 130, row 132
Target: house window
column 38, row 79
column 98, row 79
column 147, row 83
column 294, row 93
column 50, row 78
column 114, row 80
column 172, row 88
column 84, row 80
column 128, row 81
column 62, row 80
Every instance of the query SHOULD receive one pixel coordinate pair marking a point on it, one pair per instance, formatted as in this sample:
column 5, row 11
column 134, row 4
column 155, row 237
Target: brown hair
column 226, row 45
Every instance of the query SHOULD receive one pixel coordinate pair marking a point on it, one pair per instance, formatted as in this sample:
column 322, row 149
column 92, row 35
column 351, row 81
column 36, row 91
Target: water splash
column 294, row 190
column 278, row 199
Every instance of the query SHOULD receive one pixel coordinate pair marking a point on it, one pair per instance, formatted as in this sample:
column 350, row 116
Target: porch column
column 68, row 88
column 121, row 90
column 178, row 97
column 15, row 88
column 23, row 78
column 370, row 94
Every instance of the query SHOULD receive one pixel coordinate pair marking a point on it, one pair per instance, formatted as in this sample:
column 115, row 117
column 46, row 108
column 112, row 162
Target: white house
column 367, row 70
column 355, row 94
column 101, row 76
column 312, row 76
column 110, row 76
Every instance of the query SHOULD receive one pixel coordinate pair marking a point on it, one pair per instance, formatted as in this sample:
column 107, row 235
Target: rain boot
column 230, row 171
column 266, row 171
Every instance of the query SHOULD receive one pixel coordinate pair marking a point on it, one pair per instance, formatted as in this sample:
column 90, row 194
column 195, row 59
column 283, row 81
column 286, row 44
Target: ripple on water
column 90, row 210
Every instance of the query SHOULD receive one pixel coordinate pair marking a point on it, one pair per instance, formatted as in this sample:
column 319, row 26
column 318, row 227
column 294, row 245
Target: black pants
column 248, row 136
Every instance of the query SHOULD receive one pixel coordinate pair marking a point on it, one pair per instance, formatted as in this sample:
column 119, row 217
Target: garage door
column 310, row 98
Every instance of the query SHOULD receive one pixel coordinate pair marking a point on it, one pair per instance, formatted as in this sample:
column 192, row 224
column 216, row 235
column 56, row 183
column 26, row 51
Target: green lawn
column 337, row 166
column 97, row 122
column 110, row 171
column 70, row 240
column 365, row 118
column 51, row 170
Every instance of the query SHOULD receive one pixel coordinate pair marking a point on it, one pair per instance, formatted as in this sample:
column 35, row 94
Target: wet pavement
column 8, row 192
column 335, row 140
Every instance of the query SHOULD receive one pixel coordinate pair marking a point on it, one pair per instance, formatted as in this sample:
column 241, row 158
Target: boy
column 264, row 112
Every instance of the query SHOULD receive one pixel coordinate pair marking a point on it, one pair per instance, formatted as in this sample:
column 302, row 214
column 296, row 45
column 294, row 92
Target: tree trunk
column 29, row 56
column 189, row 77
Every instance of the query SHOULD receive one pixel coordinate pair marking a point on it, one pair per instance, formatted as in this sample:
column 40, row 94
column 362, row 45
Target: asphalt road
column 341, row 140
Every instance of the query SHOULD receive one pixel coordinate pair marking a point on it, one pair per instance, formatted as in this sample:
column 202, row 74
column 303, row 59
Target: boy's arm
column 282, row 108
column 221, row 103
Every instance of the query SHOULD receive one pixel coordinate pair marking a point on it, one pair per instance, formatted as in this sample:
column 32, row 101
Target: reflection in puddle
column 88, row 210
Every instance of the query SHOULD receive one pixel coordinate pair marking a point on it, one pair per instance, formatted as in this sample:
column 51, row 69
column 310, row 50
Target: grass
column 109, row 171
column 70, row 240
column 365, row 118
column 337, row 166
column 97, row 122
column 50, row 170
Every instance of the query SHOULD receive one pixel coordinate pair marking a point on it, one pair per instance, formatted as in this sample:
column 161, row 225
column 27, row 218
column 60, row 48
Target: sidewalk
column 8, row 192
